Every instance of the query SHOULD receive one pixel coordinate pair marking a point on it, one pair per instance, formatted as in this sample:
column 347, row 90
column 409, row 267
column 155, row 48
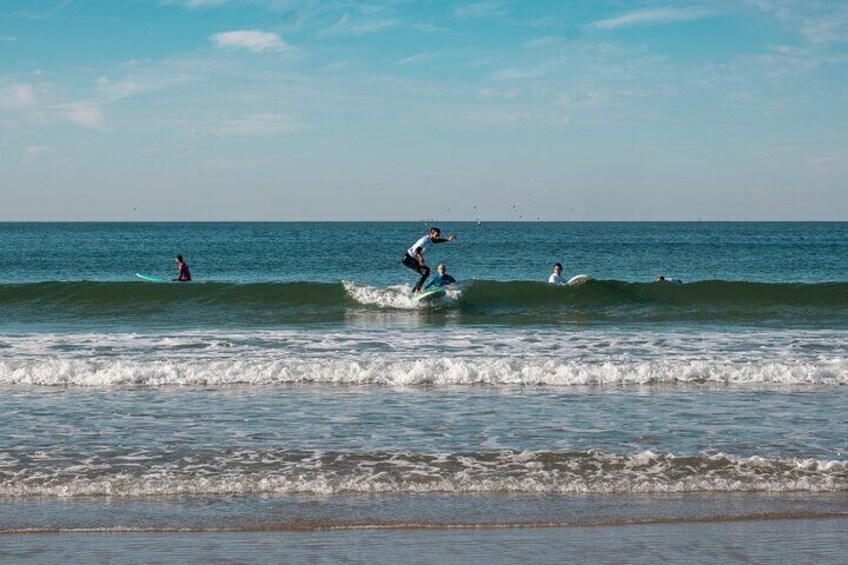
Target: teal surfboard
column 429, row 294
column 148, row 278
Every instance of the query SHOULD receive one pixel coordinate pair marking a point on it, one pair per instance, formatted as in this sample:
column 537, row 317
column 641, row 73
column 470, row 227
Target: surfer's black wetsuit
column 412, row 263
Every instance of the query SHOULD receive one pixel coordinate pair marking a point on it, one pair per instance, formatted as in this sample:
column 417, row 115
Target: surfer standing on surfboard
column 414, row 256
column 184, row 274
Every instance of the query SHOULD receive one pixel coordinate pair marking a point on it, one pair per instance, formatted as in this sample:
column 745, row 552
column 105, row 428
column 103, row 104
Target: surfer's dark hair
column 435, row 229
column 557, row 265
column 180, row 258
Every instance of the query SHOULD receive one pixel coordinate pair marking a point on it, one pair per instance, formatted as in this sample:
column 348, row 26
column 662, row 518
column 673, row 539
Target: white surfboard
column 578, row 280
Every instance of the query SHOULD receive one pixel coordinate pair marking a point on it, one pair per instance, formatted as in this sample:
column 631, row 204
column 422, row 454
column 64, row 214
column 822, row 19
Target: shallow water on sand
column 764, row 541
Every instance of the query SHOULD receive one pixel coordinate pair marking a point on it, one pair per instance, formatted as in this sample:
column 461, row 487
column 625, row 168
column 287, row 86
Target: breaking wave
column 279, row 472
column 473, row 301
column 387, row 371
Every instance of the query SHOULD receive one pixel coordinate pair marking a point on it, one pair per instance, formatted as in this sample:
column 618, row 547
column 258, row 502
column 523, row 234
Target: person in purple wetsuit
column 184, row 274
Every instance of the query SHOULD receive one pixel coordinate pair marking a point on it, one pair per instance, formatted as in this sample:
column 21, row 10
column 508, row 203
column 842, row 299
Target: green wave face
column 517, row 302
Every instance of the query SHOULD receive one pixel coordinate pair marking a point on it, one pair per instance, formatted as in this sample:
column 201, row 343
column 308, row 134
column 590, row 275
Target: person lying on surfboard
column 556, row 276
column 184, row 274
column 442, row 279
column 414, row 256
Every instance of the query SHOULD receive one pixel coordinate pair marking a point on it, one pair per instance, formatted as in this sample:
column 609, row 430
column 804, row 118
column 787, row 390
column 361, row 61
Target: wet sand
column 822, row 540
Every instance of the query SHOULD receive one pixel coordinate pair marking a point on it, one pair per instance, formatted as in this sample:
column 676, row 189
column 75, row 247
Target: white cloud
column 817, row 22
column 260, row 124
column 33, row 152
column 119, row 90
column 429, row 28
column 347, row 26
column 652, row 17
column 250, row 39
column 193, row 3
column 16, row 96
column 544, row 41
column 203, row 3
column 86, row 115
column 496, row 94
column 520, row 74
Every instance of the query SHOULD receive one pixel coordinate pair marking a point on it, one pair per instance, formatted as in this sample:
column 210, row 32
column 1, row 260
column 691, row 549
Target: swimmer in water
column 556, row 276
column 442, row 279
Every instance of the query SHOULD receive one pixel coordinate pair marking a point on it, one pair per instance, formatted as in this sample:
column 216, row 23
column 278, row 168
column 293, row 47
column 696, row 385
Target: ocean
column 293, row 394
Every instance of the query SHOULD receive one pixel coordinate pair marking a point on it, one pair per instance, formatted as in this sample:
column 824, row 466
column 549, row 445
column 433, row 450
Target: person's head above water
column 660, row 277
column 180, row 259
column 435, row 232
column 558, row 268
column 442, row 269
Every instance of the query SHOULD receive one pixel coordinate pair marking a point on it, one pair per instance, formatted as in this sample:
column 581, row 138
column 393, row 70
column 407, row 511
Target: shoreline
column 305, row 528
column 404, row 513
column 764, row 541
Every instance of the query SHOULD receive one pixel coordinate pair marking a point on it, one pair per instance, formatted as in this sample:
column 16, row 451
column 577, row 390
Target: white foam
column 395, row 372
column 445, row 357
column 282, row 473
column 397, row 297
column 388, row 297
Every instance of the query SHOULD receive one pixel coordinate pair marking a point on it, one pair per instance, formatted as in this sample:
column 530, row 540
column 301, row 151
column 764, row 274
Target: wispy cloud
column 818, row 22
column 519, row 74
column 193, row 3
column 250, row 39
column 17, row 96
column 260, row 124
column 33, row 152
column 544, row 41
column 203, row 3
column 58, row 6
column 429, row 28
column 417, row 58
column 86, row 115
column 350, row 26
column 653, row 16
column 8, row 38
column 481, row 10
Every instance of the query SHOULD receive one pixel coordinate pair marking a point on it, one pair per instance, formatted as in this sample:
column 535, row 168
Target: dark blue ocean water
column 271, row 275
column 369, row 252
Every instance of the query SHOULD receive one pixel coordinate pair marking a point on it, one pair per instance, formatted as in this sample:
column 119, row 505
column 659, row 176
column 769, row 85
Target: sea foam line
column 459, row 371
column 529, row 472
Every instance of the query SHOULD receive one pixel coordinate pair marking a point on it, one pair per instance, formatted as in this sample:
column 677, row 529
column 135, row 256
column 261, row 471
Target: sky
column 423, row 109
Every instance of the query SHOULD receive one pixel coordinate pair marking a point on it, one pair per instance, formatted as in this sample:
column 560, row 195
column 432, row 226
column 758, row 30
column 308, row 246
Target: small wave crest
column 478, row 301
column 277, row 472
column 397, row 297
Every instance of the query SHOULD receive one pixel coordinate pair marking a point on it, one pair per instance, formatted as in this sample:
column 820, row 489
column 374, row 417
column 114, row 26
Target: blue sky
column 402, row 109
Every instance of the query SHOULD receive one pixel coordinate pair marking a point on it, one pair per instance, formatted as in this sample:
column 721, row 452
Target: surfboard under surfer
column 414, row 256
